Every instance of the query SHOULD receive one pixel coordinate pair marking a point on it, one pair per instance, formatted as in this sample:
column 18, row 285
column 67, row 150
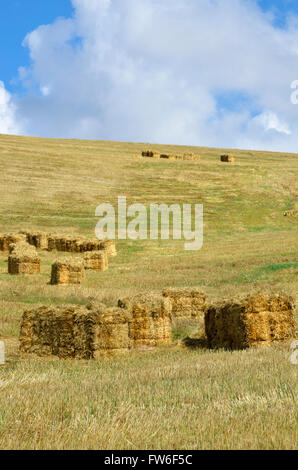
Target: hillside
column 187, row 398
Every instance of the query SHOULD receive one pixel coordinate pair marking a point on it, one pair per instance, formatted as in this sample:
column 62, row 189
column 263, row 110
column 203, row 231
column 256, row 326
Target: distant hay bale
column 150, row 154
column 7, row 239
column 292, row 213
column 96, row 260
column 256, row 320
column 187, row 303
column 74, row 332
column 23, row 259
column 191, row 157
column 228, row 158
column 149, row 323
column 108, row 246
column 67, row 271
column 168, row 156
column 37, row 239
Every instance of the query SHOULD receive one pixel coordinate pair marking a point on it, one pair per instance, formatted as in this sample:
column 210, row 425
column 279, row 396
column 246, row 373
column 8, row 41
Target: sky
column 191, row 72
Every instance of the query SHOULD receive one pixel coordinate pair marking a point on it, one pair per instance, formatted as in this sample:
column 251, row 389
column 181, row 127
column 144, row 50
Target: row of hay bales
column 62, row 243
column 94, row 331
column 228, row 158
column 145, row 321
column 23, row 259
column 184, row 157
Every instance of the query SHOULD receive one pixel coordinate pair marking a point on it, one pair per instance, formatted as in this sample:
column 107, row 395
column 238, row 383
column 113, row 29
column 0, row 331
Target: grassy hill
column 174, row 398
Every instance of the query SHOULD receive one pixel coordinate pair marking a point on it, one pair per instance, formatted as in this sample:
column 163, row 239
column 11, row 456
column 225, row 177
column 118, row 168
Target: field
column 178, row 397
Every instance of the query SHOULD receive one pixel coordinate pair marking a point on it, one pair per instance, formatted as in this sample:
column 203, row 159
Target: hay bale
column 37, row 239
column 108, row 246
column 187, row 303
column 149, row 323
column 96, row 260
column 168, row 156
column 67, row 271
column 23, row 259
column 256, row 320
column 228, row 158
column 191, row 157
column 7, row 239
column 74, row 332
column 150, row 154
column 293, row 213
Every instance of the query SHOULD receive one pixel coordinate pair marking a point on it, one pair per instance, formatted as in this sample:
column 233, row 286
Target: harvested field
column 23, row 259
column 68, row 271
column 186, row 303
column 96, row 260
column 257, row 320
column 228, row 158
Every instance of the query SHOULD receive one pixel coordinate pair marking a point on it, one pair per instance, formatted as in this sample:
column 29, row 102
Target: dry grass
column 177, row 397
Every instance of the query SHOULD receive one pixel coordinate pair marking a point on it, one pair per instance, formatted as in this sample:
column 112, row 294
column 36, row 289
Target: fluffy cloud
column 8, row 121
column 151, row 70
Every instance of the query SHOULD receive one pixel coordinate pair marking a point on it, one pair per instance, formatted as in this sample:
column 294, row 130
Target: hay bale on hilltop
column 191, row 157
column 228, row 158
column 67, row 271
column 108, row 246
column 7, row 239
column 149, row 323
column 74, row 332
column 96, row 260
column 256, row 320
column 150, row 154
column 187, row 303
column 168, row 156
column 23, row 259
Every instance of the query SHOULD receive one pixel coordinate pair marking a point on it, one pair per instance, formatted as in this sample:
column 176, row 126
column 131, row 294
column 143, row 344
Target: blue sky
column 213, row 73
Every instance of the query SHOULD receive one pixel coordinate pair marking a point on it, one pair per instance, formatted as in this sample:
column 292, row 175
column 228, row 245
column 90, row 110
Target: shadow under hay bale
column 187, row 303
column 23, row 259
column 228, row 158
column 96, row 260
column 195, row 343
column 256, row 320
column 67, row 271
column 7, row 239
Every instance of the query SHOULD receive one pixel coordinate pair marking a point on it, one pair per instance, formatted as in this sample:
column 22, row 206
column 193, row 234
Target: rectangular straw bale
column 149, row 323
column 7, row 239
column 68, row 271
column 187, row 303
column 23, row 259
column 293, row 213
column 96, row 260
column 256, row 320
column 109, row 246
column 228, row 158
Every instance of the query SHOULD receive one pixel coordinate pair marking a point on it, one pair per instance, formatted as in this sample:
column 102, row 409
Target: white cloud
column 8, row 123
column 150, row 70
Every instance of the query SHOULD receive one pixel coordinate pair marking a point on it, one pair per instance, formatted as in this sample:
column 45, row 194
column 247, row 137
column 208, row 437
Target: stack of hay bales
column 150, row 320
column 168, row 156
column 108, row 246
column 96, row 260
column 150, row 154
column 191, row 157
column 7, row 239
column 228, row 158
column 293, row 213
column 37, row 239
column 256, row 320
column 70, row 244
column 186, row 303
column 67, row 271
column 23, row 259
